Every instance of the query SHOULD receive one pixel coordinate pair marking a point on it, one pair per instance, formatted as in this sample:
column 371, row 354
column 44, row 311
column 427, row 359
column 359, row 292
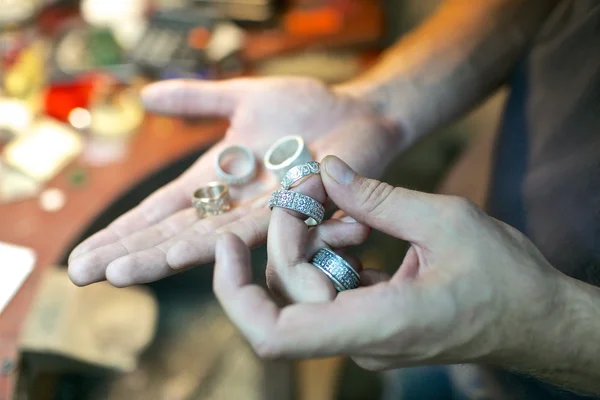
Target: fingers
column 160, row 204
column 370, row 277
column 301, row 330
column 399, row 212
column 191, row 97
column 198, row 241
column 289, row 275
column 150, row 214
column 92, row 266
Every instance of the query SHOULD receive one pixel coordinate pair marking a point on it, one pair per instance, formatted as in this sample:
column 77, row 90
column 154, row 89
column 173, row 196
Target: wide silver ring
column 240, row 152
column 299, row 172
column 286, row 153
column 212, row 199
column 298, row 202
column 341, row 274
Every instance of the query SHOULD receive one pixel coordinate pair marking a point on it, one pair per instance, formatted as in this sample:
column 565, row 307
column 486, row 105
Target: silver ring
column 286, row 153
column 298, row 202
column 212, row 199
column 341, row 274
column 244, row 176
column 299, row 172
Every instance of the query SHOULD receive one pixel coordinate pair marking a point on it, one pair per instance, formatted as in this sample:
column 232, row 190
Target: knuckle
column 460, row 208
column 267, row 349
column 375, row 196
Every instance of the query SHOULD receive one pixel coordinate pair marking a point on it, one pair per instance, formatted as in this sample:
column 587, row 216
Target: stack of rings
column 342, row 275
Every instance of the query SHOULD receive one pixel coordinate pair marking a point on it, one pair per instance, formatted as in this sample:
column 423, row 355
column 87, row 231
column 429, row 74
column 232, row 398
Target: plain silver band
column 241, row 151
column 209, row 205
column 299, row 172
column 341, row 274
column 299, row 202
column 293, row 151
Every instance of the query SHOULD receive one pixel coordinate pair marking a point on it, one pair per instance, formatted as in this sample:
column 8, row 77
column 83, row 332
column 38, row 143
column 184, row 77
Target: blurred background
column 77, row 150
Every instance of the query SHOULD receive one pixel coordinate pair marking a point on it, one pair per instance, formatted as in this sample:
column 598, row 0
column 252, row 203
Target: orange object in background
column 324, row 20
column 198, row 38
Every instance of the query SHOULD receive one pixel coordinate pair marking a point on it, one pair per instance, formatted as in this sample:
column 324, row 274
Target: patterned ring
column 299, row 172
column 298, row 202
column 212, row 199
column 341, row 274
column 240, row 152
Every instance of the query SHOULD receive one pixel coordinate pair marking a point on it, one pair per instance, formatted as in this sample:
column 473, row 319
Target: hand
column 469, row 289
column 163, row 235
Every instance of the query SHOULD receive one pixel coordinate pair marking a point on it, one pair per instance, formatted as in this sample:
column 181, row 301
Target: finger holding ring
column 299, row 172
column 338, row 270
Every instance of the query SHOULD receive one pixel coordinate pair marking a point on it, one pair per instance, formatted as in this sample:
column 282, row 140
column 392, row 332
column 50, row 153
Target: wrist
column 532, row 336
column 373, row 98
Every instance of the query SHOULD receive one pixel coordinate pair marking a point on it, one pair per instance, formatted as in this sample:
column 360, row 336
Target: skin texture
column 471, row 289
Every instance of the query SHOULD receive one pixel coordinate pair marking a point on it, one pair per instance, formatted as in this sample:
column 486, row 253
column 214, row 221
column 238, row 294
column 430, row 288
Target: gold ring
column 212, row 199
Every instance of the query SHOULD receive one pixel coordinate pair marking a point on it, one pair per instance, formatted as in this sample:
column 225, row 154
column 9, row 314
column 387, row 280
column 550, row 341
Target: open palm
column 163, row 234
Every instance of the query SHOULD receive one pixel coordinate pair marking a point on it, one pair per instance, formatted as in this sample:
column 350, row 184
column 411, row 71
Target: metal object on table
column 238, row 152
column 298, row 202
column 299, row 172
column 286, row 153
column 341, row 274
column 212, row 199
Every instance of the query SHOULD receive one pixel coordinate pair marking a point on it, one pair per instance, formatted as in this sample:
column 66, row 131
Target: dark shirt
column 546, row 176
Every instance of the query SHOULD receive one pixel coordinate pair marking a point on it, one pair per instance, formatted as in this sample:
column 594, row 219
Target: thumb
column 182, row 97
column 399, row 212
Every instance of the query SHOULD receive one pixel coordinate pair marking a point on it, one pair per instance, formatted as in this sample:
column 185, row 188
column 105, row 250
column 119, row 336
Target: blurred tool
column 172, row 46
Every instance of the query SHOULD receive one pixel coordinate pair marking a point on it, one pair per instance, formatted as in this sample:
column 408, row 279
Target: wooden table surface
column 159, row 142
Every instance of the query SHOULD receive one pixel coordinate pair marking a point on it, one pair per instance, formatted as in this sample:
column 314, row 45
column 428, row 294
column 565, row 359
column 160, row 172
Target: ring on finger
column 299, row 172
column 338, row 270
column 212, row 199
column 312, row 209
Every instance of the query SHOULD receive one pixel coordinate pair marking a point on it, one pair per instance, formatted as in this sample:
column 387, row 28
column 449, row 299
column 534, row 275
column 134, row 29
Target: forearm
column 456, row 58
column 564, row 347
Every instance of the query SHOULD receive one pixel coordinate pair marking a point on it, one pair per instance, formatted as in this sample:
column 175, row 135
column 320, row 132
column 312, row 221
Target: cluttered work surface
column 73, row 134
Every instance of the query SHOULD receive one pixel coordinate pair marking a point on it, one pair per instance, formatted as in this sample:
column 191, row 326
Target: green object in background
column 104, row 49
column 78, row 177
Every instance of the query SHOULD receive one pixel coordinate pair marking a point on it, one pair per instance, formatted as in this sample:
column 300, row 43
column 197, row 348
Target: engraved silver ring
column 299, row 172
column 341, row 274
column 298, row 202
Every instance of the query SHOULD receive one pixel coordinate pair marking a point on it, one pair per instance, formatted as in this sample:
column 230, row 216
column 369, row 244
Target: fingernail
column 348, row 219
column 339, row 170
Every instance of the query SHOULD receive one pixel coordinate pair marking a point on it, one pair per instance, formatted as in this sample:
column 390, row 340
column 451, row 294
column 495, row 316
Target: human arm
column 457, row 57
column 471, row 289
